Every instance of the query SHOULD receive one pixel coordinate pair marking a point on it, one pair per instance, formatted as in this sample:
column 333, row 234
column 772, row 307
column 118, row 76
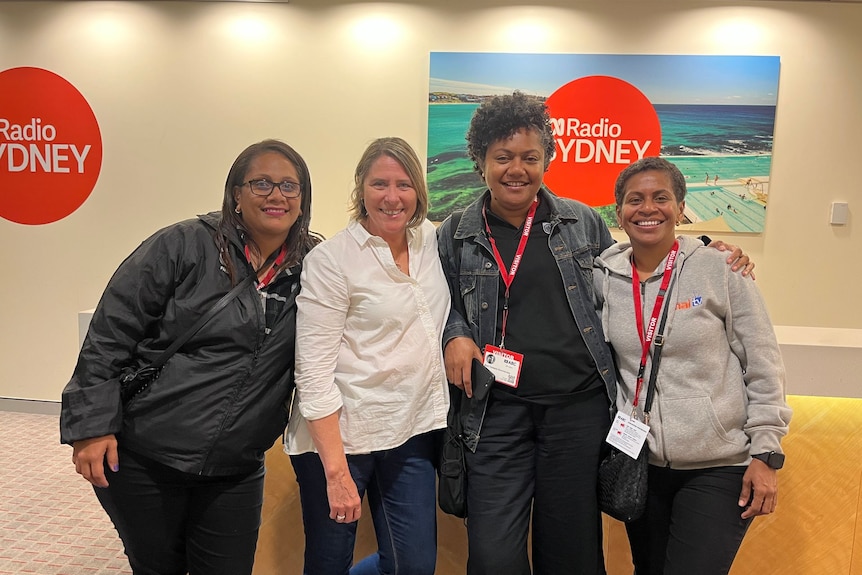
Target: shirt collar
column 362, row 236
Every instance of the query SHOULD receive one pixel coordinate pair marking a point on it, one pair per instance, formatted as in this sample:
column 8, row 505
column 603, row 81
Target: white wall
column 179, row 88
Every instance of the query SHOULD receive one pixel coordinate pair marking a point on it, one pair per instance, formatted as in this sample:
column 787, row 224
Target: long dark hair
column 299, row 239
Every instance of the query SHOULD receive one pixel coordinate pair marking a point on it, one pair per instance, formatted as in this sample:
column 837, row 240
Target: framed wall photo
column 713, row 116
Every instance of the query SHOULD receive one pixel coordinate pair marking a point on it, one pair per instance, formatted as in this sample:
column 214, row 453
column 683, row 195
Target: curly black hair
column 500, row 117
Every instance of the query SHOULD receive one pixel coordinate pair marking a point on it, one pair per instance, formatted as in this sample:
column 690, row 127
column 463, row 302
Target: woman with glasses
column 178, row 463
column 371, row 387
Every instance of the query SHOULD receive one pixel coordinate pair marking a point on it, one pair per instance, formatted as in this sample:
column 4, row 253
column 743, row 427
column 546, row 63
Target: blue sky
column 664, row 79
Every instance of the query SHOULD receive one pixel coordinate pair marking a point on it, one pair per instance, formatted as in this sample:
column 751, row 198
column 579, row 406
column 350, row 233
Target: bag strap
column 456, row 396
column 217, row 307
column 456, row 251
column 658, row 345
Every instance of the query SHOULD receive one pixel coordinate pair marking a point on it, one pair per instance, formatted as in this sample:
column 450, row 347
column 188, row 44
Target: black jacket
column 220, row 401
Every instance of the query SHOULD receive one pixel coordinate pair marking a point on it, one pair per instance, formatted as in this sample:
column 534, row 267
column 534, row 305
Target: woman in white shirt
column 370, row 382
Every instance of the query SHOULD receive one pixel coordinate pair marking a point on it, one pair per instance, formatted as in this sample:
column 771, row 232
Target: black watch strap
column 771, row 458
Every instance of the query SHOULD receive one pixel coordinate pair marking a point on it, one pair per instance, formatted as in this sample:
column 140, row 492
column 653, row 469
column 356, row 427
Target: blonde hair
column 400, row 151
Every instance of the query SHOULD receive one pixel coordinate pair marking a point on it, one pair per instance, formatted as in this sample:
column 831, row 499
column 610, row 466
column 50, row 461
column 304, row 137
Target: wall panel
column 816, row 529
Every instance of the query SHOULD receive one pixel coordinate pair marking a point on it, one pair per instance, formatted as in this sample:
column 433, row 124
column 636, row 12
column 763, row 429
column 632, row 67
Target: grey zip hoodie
column 720, row 387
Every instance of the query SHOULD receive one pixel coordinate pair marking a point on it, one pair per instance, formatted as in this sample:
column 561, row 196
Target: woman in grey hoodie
column 719, row 413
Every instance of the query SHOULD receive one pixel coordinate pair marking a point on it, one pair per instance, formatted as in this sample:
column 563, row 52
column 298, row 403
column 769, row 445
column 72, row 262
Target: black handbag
column 623, row 484
column 452, row 463
column 134, row 382
column 622, row 480
column 452, row 468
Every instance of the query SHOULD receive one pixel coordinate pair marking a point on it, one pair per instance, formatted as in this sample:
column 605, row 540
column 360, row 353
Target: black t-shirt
column 540, row 324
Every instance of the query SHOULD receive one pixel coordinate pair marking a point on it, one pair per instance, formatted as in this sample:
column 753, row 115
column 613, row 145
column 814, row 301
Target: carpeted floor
column 50, row 520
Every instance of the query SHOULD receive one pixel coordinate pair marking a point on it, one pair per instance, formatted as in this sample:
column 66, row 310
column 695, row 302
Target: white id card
column 627, row 434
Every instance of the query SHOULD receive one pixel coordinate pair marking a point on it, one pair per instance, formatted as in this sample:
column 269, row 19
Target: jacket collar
column 213, row 221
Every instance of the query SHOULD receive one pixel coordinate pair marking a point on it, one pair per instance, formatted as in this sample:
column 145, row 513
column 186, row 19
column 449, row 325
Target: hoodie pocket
column 693, row 434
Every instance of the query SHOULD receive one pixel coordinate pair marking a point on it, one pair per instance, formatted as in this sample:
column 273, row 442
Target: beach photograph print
column 712, row 116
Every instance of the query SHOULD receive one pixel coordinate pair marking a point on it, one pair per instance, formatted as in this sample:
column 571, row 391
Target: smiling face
column 513, row 170
column 649, row 211
column 268, row 218
column 389, row 198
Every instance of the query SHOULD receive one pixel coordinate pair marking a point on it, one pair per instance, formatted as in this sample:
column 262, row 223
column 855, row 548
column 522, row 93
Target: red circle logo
column 50, row 146
column 601, row 124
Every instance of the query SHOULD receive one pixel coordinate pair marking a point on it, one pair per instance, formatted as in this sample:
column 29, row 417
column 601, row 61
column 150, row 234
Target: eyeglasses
column 264, row 187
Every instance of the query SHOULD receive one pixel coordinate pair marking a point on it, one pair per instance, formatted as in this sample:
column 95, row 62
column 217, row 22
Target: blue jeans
column 173, row 523
column 401, row 489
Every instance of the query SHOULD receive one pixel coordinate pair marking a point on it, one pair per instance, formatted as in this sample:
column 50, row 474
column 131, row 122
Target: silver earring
column 236, row 209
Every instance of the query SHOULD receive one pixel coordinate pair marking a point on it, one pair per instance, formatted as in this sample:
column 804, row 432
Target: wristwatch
column 771, row 458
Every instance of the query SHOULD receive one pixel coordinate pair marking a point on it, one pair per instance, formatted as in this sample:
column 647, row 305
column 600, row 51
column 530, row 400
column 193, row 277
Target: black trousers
column 538, row 461
column 692, row 523
column 173, row 523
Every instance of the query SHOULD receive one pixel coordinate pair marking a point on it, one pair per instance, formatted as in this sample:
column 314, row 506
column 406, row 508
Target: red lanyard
column 646, row 338
column 273, row 269
column 509, row 276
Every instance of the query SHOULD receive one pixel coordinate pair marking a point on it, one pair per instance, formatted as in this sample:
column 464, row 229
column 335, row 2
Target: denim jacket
column 577, row 234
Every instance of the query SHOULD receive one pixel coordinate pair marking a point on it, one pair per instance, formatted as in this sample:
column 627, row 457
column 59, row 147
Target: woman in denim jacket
column 541, row 432
column 543, row 424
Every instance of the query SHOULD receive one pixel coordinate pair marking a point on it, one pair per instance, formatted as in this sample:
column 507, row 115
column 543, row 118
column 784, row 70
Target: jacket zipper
column 261, row 314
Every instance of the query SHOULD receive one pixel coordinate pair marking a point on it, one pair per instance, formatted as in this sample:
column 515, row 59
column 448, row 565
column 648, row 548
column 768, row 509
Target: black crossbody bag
column 451, row 466
column 133, row 383
column 622, row 481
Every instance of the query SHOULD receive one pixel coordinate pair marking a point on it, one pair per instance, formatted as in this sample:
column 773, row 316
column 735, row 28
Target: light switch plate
column 839, row 214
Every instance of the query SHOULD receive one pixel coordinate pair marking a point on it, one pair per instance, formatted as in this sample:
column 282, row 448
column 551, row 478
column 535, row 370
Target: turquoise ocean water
column 733, row 142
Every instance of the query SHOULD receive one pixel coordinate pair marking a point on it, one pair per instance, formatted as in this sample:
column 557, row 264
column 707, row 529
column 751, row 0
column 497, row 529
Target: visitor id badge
column 627, row 434
column 504, row 364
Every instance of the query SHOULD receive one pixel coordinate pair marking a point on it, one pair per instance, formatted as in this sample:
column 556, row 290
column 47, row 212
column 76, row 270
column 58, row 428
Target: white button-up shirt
column 368, row 341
